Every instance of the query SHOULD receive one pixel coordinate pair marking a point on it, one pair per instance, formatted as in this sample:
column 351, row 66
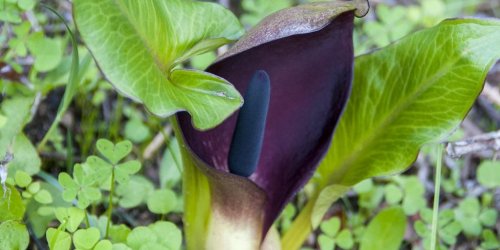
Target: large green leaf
column 138, row 43
column 385, row 231
column 13, row 235
column 413, row 92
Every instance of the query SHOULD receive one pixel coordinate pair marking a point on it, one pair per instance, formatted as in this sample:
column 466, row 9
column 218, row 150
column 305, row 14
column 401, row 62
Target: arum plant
column 251, row 165
column 294, row 69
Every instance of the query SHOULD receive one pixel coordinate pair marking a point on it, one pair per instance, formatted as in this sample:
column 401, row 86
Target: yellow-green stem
column 300, row 229
column 437, row 186
column 110, row 205
column 87, row 219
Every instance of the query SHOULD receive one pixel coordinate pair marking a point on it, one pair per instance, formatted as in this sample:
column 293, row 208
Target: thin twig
column 491, row 93
column 480, row 143
column 156, row 143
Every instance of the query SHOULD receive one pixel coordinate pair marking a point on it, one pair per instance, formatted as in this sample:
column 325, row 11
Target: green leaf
column 364, row 186
column 100, row 170
column 326, row 243
column 467, row 214
column 490, row 240
column 22, row 178
column 114, row 153
column 3, row 121
column 171, row 165
column 103, row 245
column 47, row 51
column 139, row 236
column 124, row 170
column 330, row 227
column 73, row 81
column 344, row 239
column 160, row 235
column 58, row 240
column 162, row 201
column 488, row 174
column 385, row 231
column 17, row 112
column 324, row 201
column 13, row 235
column 69, row 185
column 34, row 187
column 488, row 217
column 141, row 66
column 11, row 204
column 25, row 156
column 168, row 235
column 72, row 217
column 119, row 233
column 421, row 229
column 43, row 197
column 134, row 192
column 414, row 199
column 86, row 239
column 136, row 131
column 26, row 4
column 121, row 246
column 393, row 194
column 413, row 92
column 81, row 186
column 201, row 62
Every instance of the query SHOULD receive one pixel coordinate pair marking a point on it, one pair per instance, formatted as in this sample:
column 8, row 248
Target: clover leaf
column 473, row 217
column 448, row 227
column 58, row 240
column 103, row 170
column 114, row 153
column 13, row 235
column 80, row 186
column 488, row 174
column 162, row 201
column 88, row 239
column 71, row 217
column 332, row 236
column 160, row 235
column 134, row 192
column 22, row 178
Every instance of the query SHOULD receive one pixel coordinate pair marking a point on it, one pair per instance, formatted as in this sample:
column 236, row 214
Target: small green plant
column 332, row 235
column 488, row 174
column 473, row 216
column 448, row 228
column 85, row 188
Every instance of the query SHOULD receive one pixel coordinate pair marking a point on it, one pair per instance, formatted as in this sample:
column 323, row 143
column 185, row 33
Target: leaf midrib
column 162, row 68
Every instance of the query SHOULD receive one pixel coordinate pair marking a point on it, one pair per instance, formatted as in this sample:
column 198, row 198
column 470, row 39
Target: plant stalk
column 110, row 205
column 300, row 229
column 435, row 207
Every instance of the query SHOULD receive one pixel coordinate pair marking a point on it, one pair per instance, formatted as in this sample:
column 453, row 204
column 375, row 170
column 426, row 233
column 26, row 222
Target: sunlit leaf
column 58, row 240
column 11, row 204
column 141, row 66
column 13, row 235
column 413, row 92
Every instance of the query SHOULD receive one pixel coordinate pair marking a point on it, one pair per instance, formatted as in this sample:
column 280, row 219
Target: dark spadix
column 248, row 136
